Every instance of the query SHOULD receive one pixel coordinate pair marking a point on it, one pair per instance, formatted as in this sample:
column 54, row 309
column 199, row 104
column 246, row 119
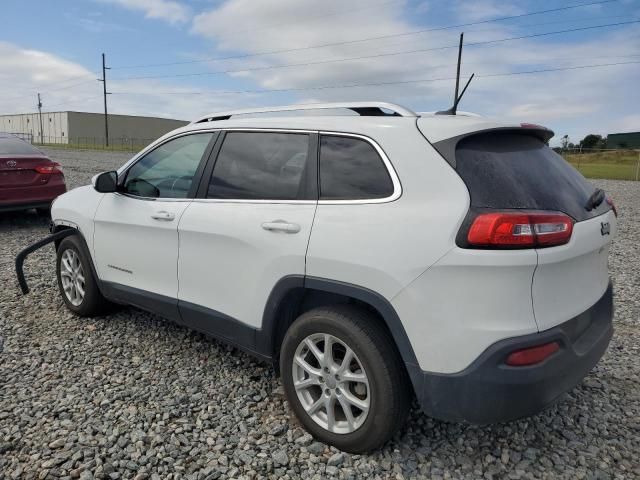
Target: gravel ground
column 133, row 396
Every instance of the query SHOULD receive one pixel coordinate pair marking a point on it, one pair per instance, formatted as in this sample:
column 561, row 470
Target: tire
column 386, row 393
column 72, row 251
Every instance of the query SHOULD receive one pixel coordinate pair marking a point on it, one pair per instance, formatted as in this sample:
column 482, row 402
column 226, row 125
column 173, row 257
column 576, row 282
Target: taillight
column 532, row 355
column 48, row 169
column 609, row 200
column 520, row 230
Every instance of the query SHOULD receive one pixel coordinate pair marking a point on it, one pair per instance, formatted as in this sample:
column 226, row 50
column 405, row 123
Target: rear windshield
column 15, row 146
column 512, row 170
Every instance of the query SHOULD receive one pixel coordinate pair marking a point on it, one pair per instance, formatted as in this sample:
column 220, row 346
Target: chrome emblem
column 605, row 229
column 11, row 163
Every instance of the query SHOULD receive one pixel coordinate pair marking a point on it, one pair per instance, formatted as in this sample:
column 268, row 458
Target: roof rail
column 369, row 109
column 459, row 113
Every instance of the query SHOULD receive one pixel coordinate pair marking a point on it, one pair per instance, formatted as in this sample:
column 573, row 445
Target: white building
column 87, row 128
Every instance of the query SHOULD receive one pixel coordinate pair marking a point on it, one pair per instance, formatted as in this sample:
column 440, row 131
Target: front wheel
column 77, row 284
column 343, row 378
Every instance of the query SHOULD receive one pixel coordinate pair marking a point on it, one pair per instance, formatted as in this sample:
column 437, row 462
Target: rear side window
column 516, row 171
column 261, row 166
column 351, row 169
column 15, row 146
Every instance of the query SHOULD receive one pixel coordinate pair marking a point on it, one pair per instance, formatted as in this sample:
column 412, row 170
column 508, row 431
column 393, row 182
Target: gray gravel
column 133, row 396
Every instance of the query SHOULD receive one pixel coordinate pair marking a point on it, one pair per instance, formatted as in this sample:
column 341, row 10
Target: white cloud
column 472, row 11
column 627, row 123
column 167, row 10
column 574, row 100
column 65, row 85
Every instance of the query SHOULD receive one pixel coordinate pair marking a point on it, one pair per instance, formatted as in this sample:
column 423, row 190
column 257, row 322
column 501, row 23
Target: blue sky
column 54, row 48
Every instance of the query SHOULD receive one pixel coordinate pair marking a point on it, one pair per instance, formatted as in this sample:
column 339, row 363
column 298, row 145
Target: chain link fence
column 122, row 144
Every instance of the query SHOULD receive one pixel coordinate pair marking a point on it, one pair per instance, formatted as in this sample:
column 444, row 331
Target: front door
column 250, row 229
column 136, row 229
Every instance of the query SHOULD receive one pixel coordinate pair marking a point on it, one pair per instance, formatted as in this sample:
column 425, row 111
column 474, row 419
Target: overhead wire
column 367, row 39
column 376, row 84
column 377, row 55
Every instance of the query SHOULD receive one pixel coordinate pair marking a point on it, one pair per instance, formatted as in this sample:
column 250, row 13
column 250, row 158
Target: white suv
column 373, row 258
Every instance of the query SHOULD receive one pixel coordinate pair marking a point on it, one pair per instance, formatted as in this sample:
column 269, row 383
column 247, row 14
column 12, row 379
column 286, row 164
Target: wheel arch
column 296, row 294
column 55, row 228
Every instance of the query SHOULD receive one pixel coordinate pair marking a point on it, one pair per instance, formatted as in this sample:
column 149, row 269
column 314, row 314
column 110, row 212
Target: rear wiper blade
column 596, row 198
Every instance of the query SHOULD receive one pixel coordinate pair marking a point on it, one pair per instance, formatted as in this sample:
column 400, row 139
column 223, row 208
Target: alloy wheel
column 331, row 383
column 72, row 276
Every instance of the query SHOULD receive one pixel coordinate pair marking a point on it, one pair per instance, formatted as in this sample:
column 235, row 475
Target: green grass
column 610, row 165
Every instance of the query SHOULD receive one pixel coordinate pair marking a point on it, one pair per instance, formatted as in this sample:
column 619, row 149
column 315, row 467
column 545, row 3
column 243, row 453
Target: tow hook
column 20, row 258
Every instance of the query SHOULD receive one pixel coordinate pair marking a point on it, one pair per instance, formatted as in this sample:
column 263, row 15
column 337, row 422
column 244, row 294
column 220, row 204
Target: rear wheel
column 343, row 378
column 77, row 284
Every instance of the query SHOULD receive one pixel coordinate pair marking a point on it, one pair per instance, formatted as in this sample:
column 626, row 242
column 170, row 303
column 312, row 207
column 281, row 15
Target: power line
column 379, row 37
column 324, row 45
column 378, row 84
column 52, row 90
column 524, row 25
column 355, row 85
column 75, row 100
column 433, row 66
column 72, row 78
column 377, row 55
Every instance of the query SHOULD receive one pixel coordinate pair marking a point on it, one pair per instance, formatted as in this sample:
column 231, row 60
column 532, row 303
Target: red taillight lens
column 532, row 355
column 520, row 230
column 613, row 205
column 48, row 169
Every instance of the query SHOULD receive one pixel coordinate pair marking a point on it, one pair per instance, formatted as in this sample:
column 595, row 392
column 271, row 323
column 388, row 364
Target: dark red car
column 28, row 178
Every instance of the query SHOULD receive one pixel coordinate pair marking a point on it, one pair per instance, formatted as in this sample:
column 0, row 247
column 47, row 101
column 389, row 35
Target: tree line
column 590, row 142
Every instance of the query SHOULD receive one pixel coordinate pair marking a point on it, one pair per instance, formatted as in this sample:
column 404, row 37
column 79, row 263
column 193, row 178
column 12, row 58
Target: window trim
column 124, row 170
column 397, row 186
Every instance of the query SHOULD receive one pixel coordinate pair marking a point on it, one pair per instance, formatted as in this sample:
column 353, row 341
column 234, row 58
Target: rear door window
column 506, row 170
column 351, row 169
column 262, row 166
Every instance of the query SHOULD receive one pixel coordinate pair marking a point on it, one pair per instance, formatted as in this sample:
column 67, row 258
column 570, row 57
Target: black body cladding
column 490, row 391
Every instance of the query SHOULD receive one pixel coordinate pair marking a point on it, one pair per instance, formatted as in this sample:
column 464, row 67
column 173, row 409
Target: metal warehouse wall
column 623, row 140
column 55, row 126
column 89, row 127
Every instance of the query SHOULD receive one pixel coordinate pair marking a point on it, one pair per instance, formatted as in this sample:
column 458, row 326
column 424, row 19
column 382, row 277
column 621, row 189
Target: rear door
column 249, row 229
column 516, row 170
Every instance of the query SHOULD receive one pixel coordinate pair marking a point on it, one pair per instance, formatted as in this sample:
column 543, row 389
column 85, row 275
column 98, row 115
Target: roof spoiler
column 447, row 147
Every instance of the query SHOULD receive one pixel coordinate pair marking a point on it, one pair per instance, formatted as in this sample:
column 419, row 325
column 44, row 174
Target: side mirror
column 106, row 182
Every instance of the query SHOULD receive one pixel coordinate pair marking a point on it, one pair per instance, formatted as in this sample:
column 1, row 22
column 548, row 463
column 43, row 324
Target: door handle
column 163, row 215
column 281, row 226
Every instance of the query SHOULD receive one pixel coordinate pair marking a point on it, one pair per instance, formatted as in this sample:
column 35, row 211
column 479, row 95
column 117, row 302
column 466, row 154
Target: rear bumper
column 25, row 198
column 11, row 207
column 489, row 391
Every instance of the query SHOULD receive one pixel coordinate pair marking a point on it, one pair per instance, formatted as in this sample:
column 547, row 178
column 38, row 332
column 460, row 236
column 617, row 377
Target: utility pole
column 41, row 125
column 105, row 93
